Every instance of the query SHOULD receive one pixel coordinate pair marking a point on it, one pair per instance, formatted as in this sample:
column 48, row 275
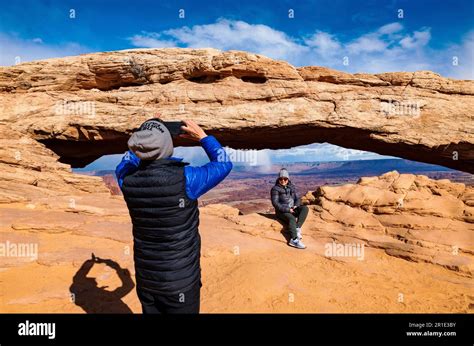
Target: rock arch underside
column 61, row 113
column 86, row 106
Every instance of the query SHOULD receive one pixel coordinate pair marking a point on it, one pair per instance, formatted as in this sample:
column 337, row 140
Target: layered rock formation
column 29, row 171
column 86, row 106
column 409, row 216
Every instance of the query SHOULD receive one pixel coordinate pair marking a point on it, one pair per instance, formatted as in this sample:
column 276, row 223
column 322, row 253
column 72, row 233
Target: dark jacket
column 199, row 180
column 284, row 197
column 165, row 227
column 161, row 197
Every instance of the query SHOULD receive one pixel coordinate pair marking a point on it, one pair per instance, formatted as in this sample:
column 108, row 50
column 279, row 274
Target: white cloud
column 151, row 40
column 323, row 43
column 367, row 44
column 388, row 48
column 14, row 49
column 390, row 29
column 321, row 152
column 315, row 152
column 225, row 35
column 417, row 40
column 466, row 54
column 196, row 156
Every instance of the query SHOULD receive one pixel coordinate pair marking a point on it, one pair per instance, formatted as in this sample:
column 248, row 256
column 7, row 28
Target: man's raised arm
column 199, row 180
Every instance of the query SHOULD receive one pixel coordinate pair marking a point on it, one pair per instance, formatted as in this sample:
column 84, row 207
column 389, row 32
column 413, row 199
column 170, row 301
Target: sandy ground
column 242, row 272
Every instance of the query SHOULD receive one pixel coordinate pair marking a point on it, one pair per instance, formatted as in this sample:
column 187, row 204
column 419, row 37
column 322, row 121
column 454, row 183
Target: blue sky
column 322, row 32
column 262, row 158
column 369, row 36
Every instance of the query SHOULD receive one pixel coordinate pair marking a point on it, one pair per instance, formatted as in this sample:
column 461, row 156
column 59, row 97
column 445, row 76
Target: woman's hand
column 193, row 131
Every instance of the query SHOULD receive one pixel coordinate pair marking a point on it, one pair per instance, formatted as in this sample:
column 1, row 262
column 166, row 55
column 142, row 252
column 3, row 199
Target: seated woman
column 288, row 207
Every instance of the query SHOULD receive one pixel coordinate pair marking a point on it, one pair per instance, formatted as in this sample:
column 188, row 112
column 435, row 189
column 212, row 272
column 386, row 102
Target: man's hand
column 193, row 131
column 292, row 210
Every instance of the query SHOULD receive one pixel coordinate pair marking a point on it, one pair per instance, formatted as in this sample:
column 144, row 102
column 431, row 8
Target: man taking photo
column 162, row 194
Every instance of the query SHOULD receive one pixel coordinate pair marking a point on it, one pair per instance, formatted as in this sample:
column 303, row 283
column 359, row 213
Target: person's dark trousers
column 187, row 302
column 294, row 220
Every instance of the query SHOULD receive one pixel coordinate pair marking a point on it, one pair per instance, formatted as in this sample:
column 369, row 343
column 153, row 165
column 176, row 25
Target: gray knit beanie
column 151, row 141
column 284, row 173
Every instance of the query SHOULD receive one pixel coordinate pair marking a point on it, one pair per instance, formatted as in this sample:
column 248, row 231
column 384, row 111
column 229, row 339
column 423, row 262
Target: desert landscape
column 247, row 187
column 392, row 242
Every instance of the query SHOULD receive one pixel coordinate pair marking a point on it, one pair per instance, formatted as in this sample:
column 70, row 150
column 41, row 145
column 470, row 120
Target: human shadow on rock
column 93, row 299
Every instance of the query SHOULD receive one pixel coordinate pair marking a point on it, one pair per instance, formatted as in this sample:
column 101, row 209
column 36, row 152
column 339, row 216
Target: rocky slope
column 409, row 216
column 29, row 171
column 86, row 106
column 417, row 256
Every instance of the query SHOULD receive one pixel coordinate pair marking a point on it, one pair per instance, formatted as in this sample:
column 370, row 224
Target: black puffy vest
column 167, row 245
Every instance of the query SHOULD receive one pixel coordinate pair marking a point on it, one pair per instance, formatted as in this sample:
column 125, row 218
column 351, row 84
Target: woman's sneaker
column 298, row 233
column 297, row 243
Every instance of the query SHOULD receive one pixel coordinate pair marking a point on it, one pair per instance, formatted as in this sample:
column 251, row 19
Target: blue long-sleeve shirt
column 199, row 180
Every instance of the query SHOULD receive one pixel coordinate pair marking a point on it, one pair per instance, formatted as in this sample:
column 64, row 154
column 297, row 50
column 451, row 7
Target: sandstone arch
column 86, row 106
